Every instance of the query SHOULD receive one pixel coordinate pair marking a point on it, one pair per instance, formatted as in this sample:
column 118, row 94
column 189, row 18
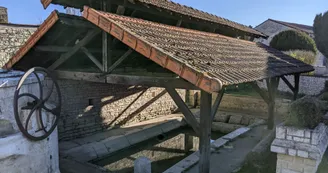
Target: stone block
column 222, row 117
column 6, row 128
column 310, row 162
column 298, row 139
column 280, row 132
column 285, row 157
column 100, row 149
column 315, row 138
column 236, row 133
column 306, row 140
column 282, row 164
column 289, row 171
column 218, row 143
column 292, row 152
column 303, row 154
column 277, row 149
column 235, row 119
column 307, row 134
column 295, row 167
column 295, row 132
column 115, row 144
column 289, row 137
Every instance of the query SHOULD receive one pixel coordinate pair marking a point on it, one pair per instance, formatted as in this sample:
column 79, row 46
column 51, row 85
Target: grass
column 260, row 163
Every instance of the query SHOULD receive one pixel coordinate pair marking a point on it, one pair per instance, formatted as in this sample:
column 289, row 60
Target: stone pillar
column 3, row 15
column 299, row 150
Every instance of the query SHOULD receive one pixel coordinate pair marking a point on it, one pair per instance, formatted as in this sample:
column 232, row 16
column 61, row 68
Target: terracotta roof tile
column 196, row 55
column 173, row 7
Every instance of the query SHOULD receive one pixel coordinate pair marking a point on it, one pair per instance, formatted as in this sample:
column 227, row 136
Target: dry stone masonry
column 299, row 150
column 12, row 37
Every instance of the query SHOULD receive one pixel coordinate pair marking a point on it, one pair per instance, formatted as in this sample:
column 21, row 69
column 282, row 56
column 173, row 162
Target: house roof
column 305, row 28
column 172, row 7
column 206, row 60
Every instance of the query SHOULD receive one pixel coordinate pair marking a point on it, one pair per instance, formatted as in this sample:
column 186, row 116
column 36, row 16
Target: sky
column 247, row 12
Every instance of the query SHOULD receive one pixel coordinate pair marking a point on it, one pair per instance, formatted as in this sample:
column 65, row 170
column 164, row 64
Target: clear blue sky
column 248, row 12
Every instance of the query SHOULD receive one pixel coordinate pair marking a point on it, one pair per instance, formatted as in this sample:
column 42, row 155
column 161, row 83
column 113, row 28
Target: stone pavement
column 231, row 156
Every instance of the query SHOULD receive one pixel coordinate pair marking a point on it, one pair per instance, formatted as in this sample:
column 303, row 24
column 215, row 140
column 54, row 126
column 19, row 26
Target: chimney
column 3, row 15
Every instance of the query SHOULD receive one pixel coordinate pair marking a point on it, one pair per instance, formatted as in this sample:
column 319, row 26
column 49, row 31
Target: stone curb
column 193, row 159
column 100, row 149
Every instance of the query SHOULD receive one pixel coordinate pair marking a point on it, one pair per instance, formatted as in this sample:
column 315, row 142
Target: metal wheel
column 36, row 105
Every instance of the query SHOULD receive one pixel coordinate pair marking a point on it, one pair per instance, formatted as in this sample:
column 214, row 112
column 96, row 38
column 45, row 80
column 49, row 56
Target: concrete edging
column 193, row 159
column 99, row 149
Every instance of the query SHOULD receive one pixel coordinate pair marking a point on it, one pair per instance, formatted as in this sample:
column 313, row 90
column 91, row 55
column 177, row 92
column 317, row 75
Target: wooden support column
column 105, row 46
column 272, row 84
column 205, row 132
column 297, row 83
column 189, row 116
column 188, row 142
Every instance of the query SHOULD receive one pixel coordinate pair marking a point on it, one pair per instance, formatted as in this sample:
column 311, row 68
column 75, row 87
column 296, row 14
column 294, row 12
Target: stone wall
column 3, row 15
column 309, row 85
column 93, row 107
column 12, row 37
column 299, row 150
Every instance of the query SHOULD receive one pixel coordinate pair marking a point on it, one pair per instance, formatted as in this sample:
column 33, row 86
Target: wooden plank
column 189, row 116
column 119, row 61
column 149, row 81
column 262, row 93
column 80, row 76
column 217, row 102
column 91, row 34
column 290, row 86
column 92, row 58
column 61, row 49
column 205, row 132
column 297, row 84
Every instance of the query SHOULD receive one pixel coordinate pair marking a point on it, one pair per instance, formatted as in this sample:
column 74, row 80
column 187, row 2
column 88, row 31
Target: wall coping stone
column 11, row 78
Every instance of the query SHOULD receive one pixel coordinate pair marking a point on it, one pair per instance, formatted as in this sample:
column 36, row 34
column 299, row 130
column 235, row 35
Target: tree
column 321, row 32
column 293, row 40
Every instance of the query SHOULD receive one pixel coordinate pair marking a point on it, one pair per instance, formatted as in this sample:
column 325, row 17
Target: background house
column 272, row 27
column 12, row 36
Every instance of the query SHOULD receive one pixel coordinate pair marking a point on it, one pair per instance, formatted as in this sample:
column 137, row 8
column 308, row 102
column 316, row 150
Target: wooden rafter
column 61, row 49
column 91, row 34
column 262, row 93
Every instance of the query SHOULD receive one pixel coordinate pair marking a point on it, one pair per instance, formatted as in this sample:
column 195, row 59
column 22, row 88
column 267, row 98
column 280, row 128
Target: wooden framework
column 208, row 111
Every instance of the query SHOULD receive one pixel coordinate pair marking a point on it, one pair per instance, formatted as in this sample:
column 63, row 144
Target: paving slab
column 228, row 159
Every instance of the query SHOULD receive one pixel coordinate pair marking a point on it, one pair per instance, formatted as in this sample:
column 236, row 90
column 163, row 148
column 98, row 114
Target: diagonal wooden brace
column 189, row 116
column 67, row 55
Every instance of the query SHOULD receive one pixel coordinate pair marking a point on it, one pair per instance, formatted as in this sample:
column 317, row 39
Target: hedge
column 293, row 40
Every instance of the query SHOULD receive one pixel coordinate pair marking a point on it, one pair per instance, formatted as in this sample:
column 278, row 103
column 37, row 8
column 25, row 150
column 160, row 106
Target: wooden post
column 188, row 142
column 142, row 165
column 297, row 83
column 217, row 102
column 205, row 132
column 272, row 84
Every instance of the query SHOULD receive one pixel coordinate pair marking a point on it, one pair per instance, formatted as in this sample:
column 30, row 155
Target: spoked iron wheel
column 45, row 118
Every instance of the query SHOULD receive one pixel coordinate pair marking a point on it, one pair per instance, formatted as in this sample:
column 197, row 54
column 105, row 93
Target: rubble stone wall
column 90, row 107
column 12, row 37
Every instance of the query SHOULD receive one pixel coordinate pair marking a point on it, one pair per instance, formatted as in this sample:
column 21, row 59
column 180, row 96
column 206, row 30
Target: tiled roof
column 305, row 28
column 207, row 60
column 194, row 55
column 180, row 9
